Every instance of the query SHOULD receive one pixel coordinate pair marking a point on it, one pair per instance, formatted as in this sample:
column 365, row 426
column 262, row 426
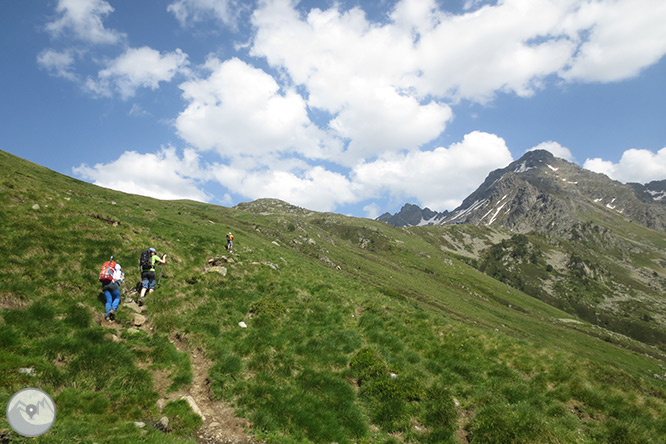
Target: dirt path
column 220, row 424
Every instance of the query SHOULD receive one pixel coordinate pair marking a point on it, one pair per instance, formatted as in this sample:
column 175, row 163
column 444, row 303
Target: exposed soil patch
column 11, row 302
column 220, row 424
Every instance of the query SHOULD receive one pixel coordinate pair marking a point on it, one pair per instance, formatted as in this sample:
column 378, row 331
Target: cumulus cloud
column 191, row 11
column 635, row 165
column 372, row 210
column 360, row 73
column 137, row 68
column 440, row 179
column 83, row 20
column 162, row 175
column 422, row 50
column 58, row 63
column 315, row 189
column 625, row 36
column 239, row 110
column 509, row 47
column 555, row 149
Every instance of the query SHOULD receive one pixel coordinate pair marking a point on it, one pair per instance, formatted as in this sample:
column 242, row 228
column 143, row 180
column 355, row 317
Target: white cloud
column 360, row 73
column 635, row 165
column 510, row 47
column 58, row 63
column 240, row 110
column 422, row 51
column 137, row 68
column 555, row 149
column 439, row 179
column 162, row 175
column 316, row 189
column 625, row 37
column 188, row 11
column 83, row 19
column 372, row 210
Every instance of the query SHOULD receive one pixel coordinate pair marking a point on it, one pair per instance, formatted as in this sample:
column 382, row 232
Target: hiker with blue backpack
column 147, row 262
column 111, row 276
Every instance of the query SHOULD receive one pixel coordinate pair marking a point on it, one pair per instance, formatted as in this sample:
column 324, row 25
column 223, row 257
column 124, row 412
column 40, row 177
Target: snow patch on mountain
column 522, row 168
column 471, row 208
column 657, row 195
column 435, row 220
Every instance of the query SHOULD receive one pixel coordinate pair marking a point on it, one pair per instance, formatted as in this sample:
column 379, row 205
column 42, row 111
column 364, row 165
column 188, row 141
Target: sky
column 354, row 107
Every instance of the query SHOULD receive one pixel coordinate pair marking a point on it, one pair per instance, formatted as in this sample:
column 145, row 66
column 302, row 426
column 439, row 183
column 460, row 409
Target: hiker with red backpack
column 111, row 276
column 147, row 264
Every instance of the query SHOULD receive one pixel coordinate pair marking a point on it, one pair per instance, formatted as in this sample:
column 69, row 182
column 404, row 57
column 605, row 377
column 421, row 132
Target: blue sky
column 349, row 106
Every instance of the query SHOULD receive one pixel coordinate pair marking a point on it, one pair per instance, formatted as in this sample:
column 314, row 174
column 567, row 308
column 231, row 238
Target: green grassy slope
column 356, row 331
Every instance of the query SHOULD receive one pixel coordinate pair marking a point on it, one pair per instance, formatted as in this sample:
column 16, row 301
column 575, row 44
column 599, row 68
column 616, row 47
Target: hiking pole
column 160, row 278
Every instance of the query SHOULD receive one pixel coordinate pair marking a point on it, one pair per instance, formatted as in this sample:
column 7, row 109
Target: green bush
column 508, row 424
column 268, row 308
column 367, row 364
column 440, row 410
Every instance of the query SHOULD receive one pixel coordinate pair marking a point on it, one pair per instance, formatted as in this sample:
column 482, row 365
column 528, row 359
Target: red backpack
column 106, row 273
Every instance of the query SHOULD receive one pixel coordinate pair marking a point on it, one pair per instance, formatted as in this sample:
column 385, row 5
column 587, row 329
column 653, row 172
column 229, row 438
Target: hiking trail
column 220, row 424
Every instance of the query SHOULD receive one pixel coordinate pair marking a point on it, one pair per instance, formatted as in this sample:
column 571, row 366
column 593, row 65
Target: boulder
column 138, row 320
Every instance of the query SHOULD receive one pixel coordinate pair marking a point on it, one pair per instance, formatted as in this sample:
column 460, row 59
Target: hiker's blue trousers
column 112, row 299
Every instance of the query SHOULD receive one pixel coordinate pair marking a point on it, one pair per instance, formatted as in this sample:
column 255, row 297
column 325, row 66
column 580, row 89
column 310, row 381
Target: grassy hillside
column 357, row 332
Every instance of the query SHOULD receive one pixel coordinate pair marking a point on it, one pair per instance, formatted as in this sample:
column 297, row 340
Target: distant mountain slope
column 412, row 215
column 542, row 192
column 651, row 192
column 319, row 328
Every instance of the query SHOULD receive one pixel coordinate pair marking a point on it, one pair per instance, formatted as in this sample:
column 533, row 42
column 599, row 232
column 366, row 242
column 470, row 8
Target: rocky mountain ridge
column 544, row 193
column 412, row 215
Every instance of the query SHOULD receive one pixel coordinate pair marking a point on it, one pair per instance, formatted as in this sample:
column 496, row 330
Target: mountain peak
column 542, row 192
column 412, row 215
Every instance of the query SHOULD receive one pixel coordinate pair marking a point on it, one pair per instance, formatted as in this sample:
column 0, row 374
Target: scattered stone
column 30, row 371
column 138, row 320
column 217, row 269
column 113, row 337
column 272, row 265
column 162, row 424
column 35, row 207
column 139, row 424
column 131, row 305
column 218, row 260
column 242, row 324
column 133, row 330
column 161, row 403
column 328, row 262
column 276, row 243
column 193, row 405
